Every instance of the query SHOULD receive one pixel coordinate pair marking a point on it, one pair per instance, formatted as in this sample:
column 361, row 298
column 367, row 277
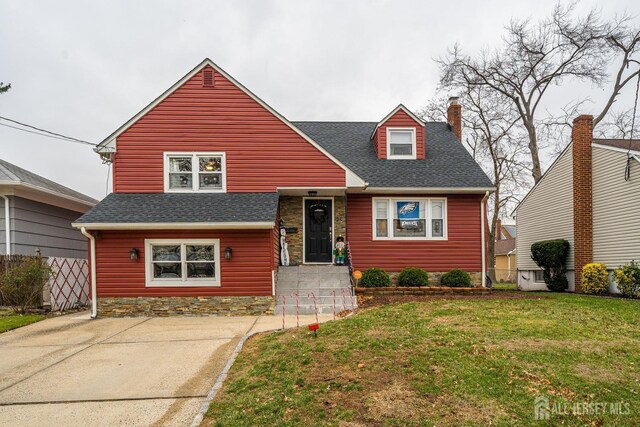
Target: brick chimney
column 454, row 116
column 499, row 229
column 582, row 136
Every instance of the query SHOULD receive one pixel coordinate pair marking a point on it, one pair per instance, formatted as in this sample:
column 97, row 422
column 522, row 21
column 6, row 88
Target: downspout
column 482, row 233
column 7, row 224
column 94, row 297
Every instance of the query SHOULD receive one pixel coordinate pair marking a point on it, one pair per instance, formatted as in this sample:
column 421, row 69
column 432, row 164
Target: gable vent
column 207, row 78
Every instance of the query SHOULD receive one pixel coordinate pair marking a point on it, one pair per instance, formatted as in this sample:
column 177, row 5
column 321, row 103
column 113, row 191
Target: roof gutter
column 28, row 186
column 94, row 296
column 7, row 224
column 267, row 225
column 428, row 190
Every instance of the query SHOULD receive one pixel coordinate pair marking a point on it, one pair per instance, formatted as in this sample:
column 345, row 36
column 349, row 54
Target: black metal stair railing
column 349, row 262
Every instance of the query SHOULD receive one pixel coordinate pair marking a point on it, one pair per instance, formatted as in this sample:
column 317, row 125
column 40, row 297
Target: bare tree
column 619, row 125
column 496, row 140
column 537, row 56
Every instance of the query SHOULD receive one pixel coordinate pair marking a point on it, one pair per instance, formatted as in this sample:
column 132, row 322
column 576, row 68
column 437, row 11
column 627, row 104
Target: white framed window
column 176, row 262
column 410, row 218
column 184, row 172
column 401, row 143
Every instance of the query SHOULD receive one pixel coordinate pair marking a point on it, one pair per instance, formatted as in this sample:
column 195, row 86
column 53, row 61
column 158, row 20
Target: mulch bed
column 366, row 301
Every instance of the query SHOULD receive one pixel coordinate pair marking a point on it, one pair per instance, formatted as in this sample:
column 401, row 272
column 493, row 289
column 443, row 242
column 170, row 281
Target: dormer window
column 401, row 143
column 204, row 172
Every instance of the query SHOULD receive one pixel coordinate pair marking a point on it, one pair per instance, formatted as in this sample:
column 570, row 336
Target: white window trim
column 150, row 282
column 413, row 144
column 391, row 202
column 194, row 171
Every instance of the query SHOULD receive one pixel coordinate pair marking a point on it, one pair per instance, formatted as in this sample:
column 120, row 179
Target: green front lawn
column 444, row 362
column 9, row 321
column 505, row 286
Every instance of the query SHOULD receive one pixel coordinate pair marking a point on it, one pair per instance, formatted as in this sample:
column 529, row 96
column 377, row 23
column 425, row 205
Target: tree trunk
column 536, row 171
column 491, row 250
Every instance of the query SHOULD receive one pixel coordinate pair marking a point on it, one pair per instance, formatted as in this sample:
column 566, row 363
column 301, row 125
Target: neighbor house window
column 401, row 143
column 538, row 276
column 172, row 262
column 195, row 172
column 410, row 218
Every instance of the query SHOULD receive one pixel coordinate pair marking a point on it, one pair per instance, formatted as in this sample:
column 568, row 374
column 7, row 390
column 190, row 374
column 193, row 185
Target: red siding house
column 208, row 179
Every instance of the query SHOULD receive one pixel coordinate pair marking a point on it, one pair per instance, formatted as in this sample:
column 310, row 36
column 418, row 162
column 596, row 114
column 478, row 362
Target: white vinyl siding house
column 616, row 209
column 546, row 213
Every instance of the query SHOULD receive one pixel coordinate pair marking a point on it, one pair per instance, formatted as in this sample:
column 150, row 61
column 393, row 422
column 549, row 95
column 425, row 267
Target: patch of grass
column 506, row 286
column 9, row 321
column 442, row 362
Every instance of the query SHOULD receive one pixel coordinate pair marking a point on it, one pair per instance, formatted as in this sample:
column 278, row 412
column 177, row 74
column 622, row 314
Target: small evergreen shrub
column 413, row 276
column 628, row 280
column 375, row 278
column 21, row 286
column 456, row 278
column 551, row 256
column 595, row 279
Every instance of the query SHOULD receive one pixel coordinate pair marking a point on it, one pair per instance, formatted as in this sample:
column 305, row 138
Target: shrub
column 413, row 276
column 595, row 279
column 375, row 278
column 456, row 278
column 628, row 280
column 21, row 286
column 551, row 256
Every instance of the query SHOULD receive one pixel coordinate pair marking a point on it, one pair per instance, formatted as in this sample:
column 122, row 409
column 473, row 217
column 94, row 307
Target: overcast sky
column 84, row 68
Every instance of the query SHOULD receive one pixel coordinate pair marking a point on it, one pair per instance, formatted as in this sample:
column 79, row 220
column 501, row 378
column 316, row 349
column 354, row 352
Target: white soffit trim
column 406, row 110
column 618, row 149
column 177, row 226
column 111, row 139
column 425, row 190
column 395, row 110
column 54, row 194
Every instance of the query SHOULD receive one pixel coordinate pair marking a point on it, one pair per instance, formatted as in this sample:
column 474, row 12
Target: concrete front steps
column 322, row 280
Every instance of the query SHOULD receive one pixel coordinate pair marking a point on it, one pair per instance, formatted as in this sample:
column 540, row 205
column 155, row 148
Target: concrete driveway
column 71, row 370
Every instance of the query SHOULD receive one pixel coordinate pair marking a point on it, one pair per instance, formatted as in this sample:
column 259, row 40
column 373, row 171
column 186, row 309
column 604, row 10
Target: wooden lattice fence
column 69, row 283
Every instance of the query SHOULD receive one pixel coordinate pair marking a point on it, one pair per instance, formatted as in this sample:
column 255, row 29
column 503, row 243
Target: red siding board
column 461, row 250
column 262, row 152
column 402, row 120
column 247, row 273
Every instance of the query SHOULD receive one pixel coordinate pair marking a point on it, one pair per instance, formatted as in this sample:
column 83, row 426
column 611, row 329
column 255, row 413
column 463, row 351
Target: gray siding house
column 590, row 196
column 38, row 214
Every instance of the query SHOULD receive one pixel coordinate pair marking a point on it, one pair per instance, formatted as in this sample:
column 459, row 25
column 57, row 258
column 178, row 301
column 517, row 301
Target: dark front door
column 317, row 230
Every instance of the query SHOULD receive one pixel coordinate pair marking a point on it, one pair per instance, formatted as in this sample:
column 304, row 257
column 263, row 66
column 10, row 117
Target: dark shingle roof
column 12, row 173
column 633, row 144
column 447, row 163
column 505, row 246
column 183, row 208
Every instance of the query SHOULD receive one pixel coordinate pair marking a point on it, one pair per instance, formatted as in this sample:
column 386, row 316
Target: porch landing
column 306, row 281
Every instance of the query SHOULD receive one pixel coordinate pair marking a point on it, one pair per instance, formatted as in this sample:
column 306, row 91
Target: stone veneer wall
column 434, row 278
column 188, row 306
column 292, row 214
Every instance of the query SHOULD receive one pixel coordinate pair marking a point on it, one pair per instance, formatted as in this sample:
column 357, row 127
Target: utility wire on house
column 44, row 132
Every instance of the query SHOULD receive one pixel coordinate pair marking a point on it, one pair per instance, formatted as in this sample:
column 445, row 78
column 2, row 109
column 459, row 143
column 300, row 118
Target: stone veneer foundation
column 185, row 306
column 434, row 278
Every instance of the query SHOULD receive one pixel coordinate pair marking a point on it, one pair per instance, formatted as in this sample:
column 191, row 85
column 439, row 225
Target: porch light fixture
column 133, row 254
column 227, row 252
column 312, row 193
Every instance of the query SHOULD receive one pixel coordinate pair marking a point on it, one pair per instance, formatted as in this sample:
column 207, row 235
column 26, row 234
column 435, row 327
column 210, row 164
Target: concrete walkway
column 74, row 371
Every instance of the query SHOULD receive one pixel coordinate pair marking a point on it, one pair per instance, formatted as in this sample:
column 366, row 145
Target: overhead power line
column 44, row 132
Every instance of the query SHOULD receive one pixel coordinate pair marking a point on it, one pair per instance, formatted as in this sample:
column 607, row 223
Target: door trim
column 304, row 223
